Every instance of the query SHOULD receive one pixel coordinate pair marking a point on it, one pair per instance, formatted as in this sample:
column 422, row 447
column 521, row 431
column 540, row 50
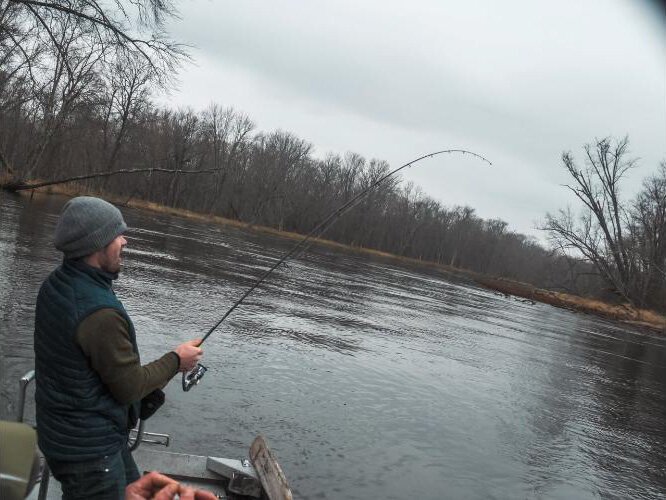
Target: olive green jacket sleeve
column 104, row 339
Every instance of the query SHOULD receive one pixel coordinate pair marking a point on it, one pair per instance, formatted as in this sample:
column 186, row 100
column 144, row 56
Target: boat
column 259, row 476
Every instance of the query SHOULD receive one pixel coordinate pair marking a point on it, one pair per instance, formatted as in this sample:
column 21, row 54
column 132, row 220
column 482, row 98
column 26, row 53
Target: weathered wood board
column 270, row 474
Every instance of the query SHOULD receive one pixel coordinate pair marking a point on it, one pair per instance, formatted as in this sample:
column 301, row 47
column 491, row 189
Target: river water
column 369, row 379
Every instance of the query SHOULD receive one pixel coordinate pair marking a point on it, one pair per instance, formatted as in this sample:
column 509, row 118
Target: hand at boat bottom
column 189, row 353
column 156, row 486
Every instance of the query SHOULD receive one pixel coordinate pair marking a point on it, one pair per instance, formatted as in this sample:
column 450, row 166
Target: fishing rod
column 192, row 378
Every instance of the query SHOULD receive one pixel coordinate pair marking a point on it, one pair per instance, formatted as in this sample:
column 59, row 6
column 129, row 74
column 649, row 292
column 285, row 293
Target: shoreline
column 623, row 313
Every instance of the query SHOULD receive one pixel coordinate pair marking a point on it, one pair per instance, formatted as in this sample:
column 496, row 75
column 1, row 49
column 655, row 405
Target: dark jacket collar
column 97, row 274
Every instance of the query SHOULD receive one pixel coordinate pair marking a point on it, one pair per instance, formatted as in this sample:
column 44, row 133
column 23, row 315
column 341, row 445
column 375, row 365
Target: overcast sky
column 517, row 81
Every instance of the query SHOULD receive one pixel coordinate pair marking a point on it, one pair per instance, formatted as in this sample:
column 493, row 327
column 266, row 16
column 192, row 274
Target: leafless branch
column 30, row 185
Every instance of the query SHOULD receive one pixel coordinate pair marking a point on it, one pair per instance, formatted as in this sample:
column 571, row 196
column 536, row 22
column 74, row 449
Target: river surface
column 368, row 378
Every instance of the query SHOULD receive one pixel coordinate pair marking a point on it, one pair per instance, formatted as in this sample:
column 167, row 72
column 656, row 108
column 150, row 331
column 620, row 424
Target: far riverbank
column 524, row 291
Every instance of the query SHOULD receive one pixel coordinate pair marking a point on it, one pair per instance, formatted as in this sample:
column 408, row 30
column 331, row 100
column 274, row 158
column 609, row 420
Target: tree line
column 76, row 103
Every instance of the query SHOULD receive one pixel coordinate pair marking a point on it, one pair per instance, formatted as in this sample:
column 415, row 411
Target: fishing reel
column 192, row 378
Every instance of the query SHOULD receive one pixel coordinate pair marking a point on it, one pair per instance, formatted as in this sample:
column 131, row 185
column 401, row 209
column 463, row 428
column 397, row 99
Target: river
column 369, row 379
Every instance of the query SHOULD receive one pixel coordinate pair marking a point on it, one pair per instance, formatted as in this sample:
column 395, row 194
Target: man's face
column 110, row 258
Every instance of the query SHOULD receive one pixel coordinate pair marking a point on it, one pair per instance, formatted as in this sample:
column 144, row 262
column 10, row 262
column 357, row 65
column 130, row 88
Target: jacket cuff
column 177, row 359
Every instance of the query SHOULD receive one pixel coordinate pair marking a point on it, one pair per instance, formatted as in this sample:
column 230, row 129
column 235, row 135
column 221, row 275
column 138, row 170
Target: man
column 89, row 379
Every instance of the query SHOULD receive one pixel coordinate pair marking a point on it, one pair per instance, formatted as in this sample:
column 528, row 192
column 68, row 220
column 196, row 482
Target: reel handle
column 192, row 378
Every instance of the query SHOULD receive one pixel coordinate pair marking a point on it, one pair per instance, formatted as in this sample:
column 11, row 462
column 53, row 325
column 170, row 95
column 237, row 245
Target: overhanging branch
column 22, row 186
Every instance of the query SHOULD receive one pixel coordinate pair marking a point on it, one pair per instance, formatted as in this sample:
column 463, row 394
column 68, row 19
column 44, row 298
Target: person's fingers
column 204, row 495
column 146, row 485
column 157, row 480
column 168, row 492
column 186, row 493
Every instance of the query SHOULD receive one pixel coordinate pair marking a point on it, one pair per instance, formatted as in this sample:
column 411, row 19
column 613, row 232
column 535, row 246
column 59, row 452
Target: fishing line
column 193, row 377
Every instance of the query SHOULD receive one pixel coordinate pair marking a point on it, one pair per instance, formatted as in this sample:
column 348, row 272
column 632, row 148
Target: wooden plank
column 270, row 474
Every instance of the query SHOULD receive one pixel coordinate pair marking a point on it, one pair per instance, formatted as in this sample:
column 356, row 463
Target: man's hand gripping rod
column 192, row 378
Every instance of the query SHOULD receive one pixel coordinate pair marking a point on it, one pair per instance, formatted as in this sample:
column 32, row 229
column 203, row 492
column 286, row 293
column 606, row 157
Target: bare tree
column 128, row 89
column 69, row 78
column 648, row 237
column 464, row 219
column 133, row 28
column 227, row 133
column 57, row 54
column 600, row 233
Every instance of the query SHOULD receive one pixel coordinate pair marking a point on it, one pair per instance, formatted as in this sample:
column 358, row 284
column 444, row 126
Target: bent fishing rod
column 192, row 378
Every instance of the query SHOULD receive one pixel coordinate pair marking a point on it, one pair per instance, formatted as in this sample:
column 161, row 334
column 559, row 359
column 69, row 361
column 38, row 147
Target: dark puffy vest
column 77, row 417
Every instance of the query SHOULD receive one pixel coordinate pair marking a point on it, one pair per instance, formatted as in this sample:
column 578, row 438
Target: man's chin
column 113, row 269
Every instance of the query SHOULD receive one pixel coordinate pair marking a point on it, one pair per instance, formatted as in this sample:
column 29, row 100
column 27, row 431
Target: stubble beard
column 112, row 264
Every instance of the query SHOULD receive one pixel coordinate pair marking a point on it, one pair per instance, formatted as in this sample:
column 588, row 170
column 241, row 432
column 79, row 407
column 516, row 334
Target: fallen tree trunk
column 10, row 183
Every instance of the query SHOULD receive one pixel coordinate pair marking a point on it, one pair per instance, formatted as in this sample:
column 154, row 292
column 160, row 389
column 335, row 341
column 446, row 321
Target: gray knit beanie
column 87, row 224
